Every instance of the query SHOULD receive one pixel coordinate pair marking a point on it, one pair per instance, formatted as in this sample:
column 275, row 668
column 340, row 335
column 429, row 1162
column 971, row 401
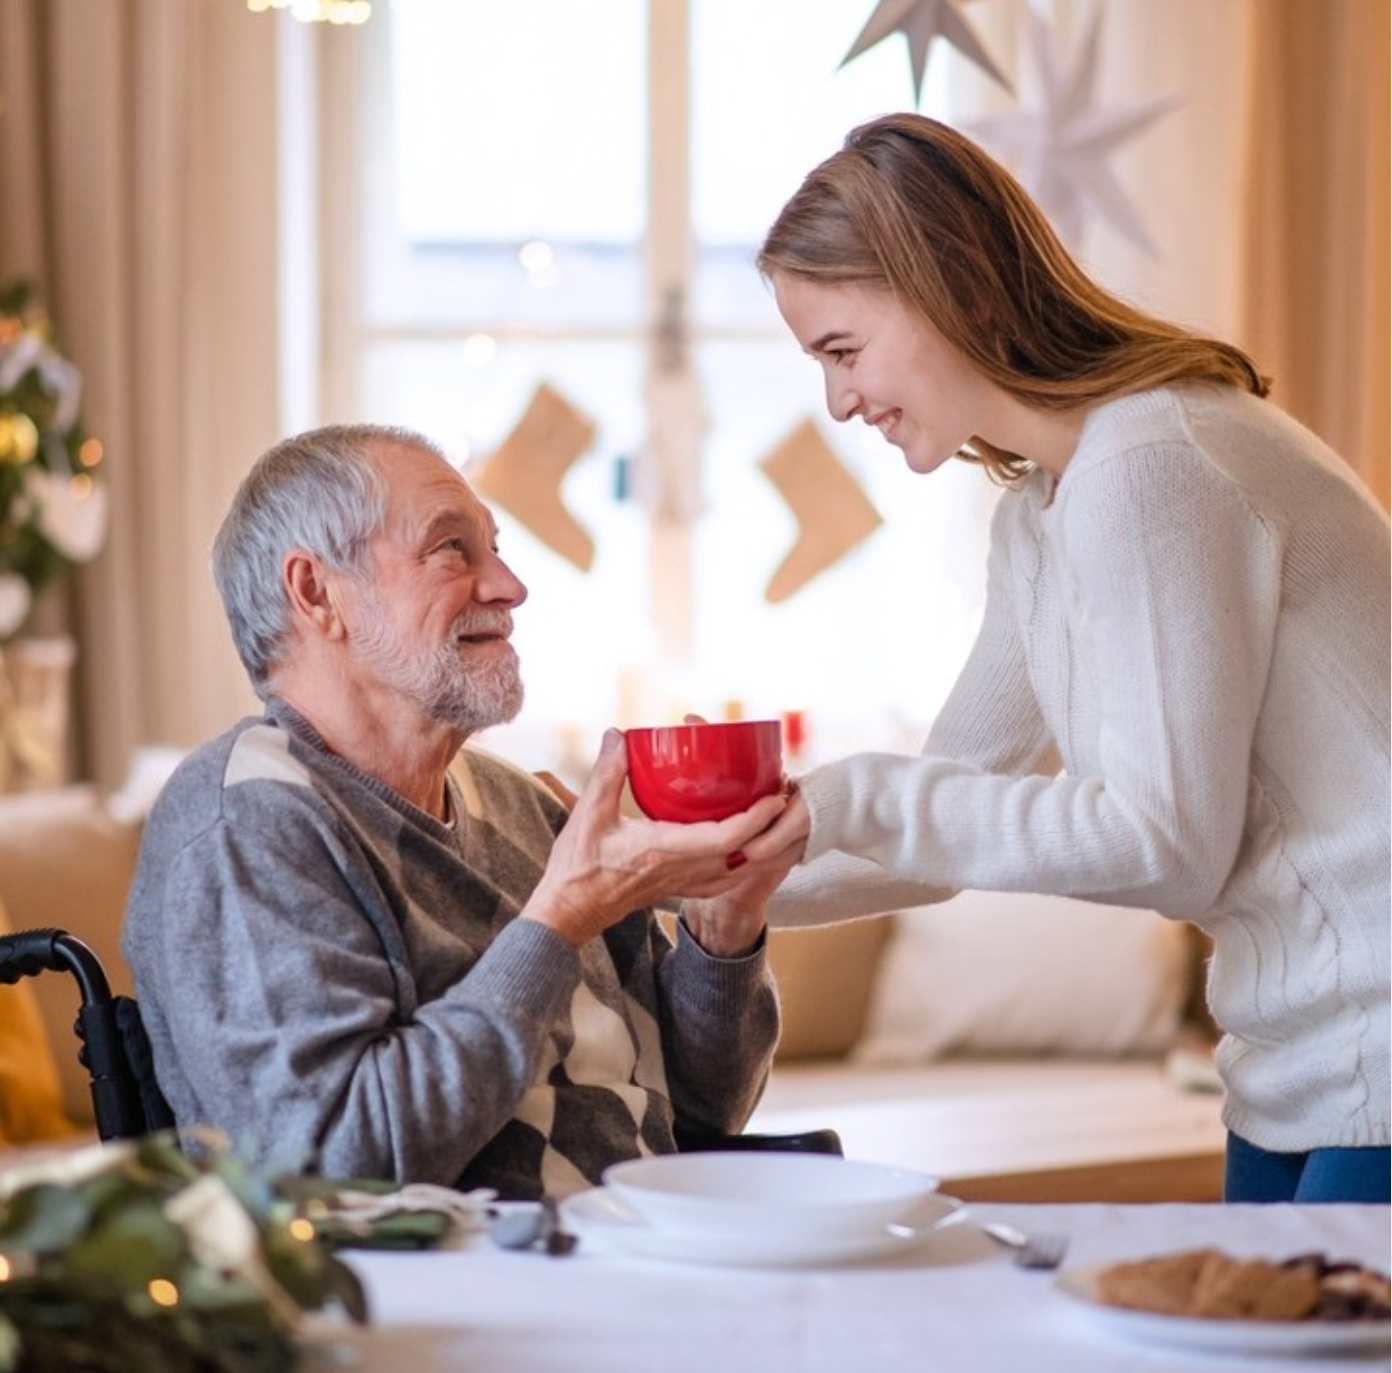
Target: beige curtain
column 1316, row 227
column 138, row 166
column 138, row 185
column 1265, row 188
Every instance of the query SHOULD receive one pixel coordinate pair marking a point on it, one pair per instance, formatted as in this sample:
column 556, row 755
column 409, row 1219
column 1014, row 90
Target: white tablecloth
column 955, row 1302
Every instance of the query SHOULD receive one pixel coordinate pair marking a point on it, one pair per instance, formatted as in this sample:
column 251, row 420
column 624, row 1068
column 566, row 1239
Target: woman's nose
column 842, row 400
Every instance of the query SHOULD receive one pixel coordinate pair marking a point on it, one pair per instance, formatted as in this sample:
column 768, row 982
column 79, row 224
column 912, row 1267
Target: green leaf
column 405, row 1230
column 206, row 1293
column 241, row 1349
column 90, row 1307
column 346, row 1288
column 132, row 1245
column 43, row 1218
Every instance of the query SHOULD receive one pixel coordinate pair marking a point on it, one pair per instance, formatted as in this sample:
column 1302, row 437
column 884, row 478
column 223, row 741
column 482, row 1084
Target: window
column 571, row 192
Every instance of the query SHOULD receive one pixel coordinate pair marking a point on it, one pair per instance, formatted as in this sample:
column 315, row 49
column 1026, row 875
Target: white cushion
column 1007, row 973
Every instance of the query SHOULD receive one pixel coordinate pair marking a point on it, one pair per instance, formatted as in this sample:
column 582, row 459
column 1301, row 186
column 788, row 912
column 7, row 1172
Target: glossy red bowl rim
column 694, row 812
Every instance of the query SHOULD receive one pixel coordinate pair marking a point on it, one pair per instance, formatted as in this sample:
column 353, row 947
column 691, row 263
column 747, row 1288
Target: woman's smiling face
column 890, row 367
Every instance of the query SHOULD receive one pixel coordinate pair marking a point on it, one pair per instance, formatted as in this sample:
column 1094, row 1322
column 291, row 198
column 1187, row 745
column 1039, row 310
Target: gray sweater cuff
column 725, row 984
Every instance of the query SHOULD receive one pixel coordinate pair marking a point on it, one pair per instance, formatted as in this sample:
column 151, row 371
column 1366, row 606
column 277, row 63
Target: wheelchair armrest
column 825, row 1141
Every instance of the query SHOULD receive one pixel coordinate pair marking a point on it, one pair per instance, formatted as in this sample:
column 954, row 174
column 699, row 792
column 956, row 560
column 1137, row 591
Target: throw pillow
column 30, row 1099
column 825, row 976
column 1007, row 973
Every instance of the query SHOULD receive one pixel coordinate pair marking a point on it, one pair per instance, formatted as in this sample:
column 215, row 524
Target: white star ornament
column 1060, row 151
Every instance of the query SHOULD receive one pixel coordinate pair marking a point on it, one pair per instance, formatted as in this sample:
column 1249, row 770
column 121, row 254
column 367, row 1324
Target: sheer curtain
column 139, row 156
column 138, row 160
column 1265, row 189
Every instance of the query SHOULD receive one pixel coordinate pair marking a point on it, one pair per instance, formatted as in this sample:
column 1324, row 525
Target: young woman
column 1179, row 698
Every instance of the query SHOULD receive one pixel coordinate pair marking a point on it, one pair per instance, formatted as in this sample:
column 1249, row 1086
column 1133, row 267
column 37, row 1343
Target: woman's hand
column 788, row 831
column 605, row 864
column 729, row 926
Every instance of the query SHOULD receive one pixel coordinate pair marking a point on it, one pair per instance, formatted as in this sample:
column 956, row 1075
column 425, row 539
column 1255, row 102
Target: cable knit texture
column 1194, row 624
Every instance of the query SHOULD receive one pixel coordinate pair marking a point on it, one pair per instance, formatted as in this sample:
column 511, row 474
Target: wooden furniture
column 1017, row 1129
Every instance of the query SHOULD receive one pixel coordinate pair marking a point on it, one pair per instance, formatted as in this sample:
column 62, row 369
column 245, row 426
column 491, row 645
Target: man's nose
column 501, row 583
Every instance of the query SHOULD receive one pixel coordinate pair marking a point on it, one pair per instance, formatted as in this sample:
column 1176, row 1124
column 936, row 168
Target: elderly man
column 350, row 937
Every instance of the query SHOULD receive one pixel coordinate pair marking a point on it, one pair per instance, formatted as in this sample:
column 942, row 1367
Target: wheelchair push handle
column 26, row 953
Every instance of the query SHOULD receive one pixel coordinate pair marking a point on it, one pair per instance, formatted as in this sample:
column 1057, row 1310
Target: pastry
column 1210, row 1284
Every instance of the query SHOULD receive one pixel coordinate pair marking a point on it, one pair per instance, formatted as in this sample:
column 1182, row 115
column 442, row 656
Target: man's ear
column 312, row 595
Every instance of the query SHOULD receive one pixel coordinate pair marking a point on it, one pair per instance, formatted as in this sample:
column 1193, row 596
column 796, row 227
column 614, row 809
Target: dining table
column 950, row 1299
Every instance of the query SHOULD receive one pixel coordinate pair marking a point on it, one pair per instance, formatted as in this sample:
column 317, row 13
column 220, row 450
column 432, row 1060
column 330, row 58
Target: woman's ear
column 313, row 598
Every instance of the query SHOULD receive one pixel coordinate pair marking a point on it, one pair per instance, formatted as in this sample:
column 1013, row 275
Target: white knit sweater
column 1196, row 627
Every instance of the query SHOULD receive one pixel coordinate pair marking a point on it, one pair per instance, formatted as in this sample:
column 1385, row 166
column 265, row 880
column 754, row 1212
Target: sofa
column 1031, row 1103
column 1000, row 1109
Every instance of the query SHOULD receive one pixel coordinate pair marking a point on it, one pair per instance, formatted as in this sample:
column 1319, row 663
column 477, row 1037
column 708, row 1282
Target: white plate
column 602, row 1216
column 809, row 1198
column 1248, row 1337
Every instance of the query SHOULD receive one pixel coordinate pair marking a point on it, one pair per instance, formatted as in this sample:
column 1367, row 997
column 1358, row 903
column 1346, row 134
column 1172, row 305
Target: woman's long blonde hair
column 911, row 206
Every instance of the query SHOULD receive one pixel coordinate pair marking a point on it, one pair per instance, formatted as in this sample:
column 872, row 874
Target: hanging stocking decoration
column 833, row 513
column 524, row 473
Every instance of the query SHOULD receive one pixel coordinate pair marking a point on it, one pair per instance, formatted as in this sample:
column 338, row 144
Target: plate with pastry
column 1208, row 1299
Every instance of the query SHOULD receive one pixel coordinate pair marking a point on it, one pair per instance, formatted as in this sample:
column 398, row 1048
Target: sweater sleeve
column 720, row 1026
column 269, row 979
column 990, row 720
column 1173, row 589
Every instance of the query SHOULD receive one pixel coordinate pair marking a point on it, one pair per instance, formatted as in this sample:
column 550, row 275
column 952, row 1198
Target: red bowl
column 704, row 772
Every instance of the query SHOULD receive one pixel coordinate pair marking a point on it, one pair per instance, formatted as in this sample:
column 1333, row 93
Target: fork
column 1043, row 1250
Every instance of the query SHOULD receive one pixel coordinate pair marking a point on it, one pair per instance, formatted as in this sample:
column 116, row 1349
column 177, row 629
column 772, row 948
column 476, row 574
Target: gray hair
column 320, row 491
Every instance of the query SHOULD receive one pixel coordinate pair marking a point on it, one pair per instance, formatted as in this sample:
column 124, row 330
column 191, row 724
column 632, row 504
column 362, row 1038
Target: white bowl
column 817, row 1196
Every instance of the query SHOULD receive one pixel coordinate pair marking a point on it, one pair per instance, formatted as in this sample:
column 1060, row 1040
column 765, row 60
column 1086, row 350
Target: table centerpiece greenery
column 138, row 1256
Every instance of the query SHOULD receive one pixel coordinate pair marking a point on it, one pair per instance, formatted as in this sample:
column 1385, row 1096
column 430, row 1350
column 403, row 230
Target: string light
column 480, row 349
column 318, row 11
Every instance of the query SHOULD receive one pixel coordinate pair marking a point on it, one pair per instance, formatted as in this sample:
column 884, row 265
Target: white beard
column 446, row 688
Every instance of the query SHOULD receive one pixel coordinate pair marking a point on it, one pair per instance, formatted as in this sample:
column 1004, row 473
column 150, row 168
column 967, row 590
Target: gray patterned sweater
column 322, row 967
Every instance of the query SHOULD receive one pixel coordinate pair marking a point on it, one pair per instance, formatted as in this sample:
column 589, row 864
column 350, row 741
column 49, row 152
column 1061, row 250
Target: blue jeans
column 1254, row 1174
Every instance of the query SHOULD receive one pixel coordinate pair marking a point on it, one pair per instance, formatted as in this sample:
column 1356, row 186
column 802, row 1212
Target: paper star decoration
column 1060, row 151
column 921, row 21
